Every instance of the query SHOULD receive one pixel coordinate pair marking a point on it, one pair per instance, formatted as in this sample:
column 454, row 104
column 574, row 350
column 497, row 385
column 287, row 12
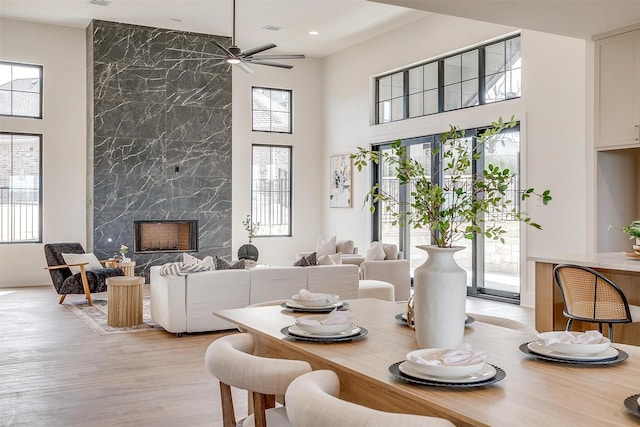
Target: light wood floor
column 55, row 371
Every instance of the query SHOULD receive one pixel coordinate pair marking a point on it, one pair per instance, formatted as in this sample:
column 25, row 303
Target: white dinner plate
column 539, row 348
column 294, row 330
column 292, row 304
column 485, row 373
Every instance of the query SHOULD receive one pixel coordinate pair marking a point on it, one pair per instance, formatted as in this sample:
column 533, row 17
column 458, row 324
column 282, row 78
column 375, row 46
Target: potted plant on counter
column 451, row 209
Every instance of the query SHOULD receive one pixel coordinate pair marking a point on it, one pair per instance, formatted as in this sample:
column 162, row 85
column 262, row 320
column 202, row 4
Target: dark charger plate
column 631, row 403
column 395, row 371
column 363, row 333
column 343, row 307
column 403, row 321
column 622, row 356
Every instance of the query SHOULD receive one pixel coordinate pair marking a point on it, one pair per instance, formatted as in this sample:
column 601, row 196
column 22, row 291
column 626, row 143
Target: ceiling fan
column 233, row 55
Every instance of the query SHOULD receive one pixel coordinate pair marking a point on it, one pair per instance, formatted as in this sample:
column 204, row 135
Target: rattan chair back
column 589, row 296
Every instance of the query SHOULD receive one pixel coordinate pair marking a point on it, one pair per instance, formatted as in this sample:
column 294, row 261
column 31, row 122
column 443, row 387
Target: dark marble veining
column 161, row 131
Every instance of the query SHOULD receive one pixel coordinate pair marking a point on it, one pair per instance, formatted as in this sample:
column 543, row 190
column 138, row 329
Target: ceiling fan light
column 233, row 60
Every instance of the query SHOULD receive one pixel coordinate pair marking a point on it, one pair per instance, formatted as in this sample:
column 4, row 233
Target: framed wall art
column 340, row 170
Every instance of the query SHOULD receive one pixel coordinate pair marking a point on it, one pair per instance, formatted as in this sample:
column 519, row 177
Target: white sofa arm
column 335, row 279
column 168, row 301
column 394, row 271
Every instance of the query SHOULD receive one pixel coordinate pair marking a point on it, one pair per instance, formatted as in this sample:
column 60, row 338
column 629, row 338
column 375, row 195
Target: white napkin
column 334, row 318
column 458, row 356
column 304, row 294
column 589, row 337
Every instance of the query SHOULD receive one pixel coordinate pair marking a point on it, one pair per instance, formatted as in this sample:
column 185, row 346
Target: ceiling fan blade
column 244, row 67
column 257, row 49
column 227, row 51
column 271, row 64
column 261, row 57
column 214, row 55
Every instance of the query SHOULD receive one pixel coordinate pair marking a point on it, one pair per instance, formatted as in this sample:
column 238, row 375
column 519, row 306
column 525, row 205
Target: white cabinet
column 617, row 94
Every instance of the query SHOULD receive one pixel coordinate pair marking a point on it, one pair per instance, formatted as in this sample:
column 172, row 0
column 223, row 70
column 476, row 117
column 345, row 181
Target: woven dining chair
column 591, row 297
column 312, row 402
column 229, row 359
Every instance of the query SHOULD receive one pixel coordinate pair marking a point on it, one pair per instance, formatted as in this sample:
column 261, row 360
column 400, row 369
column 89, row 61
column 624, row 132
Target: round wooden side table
column 124, row 301
column 127, row 267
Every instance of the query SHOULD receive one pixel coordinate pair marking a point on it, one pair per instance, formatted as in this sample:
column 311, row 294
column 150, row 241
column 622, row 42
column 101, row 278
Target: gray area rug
column 96, row 317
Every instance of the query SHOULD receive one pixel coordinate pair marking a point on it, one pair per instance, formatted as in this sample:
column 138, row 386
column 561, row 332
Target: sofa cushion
column 333, row 259
column 94, row 264
column 345, row 246
column 375, row 252
column 325, row 247
column 223, row 264
column 390, row 251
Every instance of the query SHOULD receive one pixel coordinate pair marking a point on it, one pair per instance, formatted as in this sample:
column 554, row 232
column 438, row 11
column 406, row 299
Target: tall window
column 20, row 90
column 478, row 76
column 493, row 268
column 20, row 188
column 271, row 189
column 271, row 110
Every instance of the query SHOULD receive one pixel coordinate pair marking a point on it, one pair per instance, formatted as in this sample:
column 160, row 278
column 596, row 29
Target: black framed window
column 20, row 90
column 493, row 268
column 20, row 188
column 482, row 75
column 271, row 193
column 272, row 110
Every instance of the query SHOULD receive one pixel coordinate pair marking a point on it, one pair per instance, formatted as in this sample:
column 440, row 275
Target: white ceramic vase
column 439, row 299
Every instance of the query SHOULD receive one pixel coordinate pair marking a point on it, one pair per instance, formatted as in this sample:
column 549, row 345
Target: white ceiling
column 341, row 23
column 573, row 18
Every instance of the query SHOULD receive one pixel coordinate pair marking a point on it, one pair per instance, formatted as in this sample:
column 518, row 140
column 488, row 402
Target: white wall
column 551, row 110
column 62, row 53
column 306, row 140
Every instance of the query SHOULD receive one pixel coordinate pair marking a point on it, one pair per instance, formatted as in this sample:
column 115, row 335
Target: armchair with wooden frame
column 87, row 281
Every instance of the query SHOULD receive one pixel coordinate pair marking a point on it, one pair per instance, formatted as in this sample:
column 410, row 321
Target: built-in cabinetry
column 617, row 137
column 618, row 91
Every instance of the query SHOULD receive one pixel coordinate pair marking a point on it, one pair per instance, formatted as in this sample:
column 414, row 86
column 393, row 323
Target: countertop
column 610, row 260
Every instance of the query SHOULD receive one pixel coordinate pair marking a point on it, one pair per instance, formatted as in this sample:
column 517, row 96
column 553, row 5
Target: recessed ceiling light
column 100, row 2
column 313, row 33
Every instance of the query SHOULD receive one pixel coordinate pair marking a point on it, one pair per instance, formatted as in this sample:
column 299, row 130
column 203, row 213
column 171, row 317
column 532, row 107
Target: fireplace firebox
column 165, row 236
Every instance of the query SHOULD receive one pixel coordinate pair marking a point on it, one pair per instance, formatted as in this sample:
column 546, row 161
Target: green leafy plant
column 251, row 227
column 633, row 230
column 123, row 250
column 460, row 207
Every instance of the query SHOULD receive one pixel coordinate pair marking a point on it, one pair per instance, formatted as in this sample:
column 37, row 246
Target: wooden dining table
column 534, row 392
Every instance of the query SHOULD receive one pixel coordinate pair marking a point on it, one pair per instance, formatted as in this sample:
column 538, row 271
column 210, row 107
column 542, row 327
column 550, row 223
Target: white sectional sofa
column 185, row 303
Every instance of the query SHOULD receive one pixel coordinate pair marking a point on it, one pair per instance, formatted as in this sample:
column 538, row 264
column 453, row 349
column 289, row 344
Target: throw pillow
column 375, row 252
column 94, row 264
column 333, row 259
column 302, row 262
column 183, row 268
column 390, row 251
column 207, row 261
column 222, row 264
column 326, row 247
column 306, row 261
column 345, row 246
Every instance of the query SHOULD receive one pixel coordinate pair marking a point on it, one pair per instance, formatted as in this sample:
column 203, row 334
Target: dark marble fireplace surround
column 159, row 138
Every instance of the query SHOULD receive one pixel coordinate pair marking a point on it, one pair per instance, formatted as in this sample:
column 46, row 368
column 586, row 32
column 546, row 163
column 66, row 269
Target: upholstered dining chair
column 504, row 322
column 90, row 278
column 591, row 297
column 231, row 361
column 312, row 402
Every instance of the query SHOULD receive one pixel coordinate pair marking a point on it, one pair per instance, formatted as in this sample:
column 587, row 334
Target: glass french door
column 493, row 268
